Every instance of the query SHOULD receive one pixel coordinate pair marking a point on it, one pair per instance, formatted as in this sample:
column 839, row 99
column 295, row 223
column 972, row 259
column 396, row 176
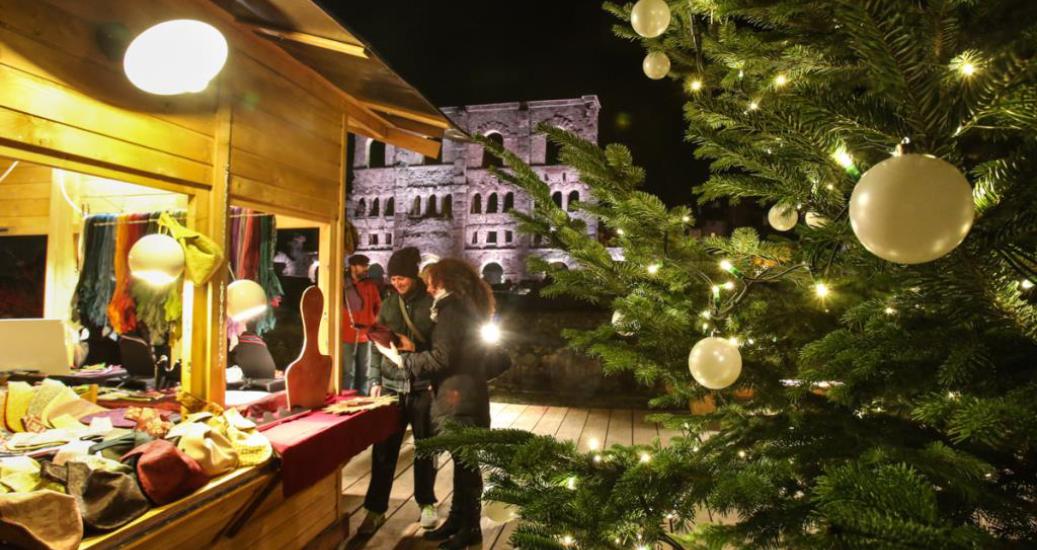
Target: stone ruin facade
column 453, row 206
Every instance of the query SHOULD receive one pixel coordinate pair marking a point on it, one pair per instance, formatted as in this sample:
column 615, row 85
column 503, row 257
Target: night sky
column 465, row 52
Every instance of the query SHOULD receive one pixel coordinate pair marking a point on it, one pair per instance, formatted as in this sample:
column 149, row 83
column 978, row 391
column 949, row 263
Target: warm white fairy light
column 751, row 341
column 571, row 483
column 705, row 314
column 726, row 265
column 843, row 158
column 967, row 69
column 705, row 326
column 741, row 454
column 597, row 458
column 1026, row 284
column 594, row 444
column 686, row 219
column 645, row 458
column 620, row 232
column 822, row 290
column 780, row 80
column 890, row 311
column 653, row 269
column 753, row 105
column 716, row 290
column 735, row 341
column 695, row 85
column 730, row 285
column 567, row 540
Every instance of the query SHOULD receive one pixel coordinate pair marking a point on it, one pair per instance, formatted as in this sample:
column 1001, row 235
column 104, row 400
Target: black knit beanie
column 359, row 259
column 404, row 263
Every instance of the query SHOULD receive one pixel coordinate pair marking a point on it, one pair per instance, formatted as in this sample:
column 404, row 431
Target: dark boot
column 449, row 528
column 469, row 536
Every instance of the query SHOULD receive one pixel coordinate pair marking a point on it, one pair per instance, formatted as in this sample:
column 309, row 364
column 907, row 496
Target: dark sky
column 461, row 52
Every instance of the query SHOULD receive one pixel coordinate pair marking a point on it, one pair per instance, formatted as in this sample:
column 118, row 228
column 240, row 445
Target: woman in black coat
column 455, row 364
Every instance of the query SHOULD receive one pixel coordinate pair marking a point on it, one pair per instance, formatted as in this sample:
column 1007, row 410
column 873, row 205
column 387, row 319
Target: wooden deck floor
column 587, row 427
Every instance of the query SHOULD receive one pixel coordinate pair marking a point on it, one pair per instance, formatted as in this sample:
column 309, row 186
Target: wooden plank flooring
column 594, row 428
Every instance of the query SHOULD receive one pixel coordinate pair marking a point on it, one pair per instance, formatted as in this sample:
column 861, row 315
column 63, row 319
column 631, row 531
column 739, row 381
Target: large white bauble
column 245, row 300
column 650, row 17
column 622, row 326
column 815, row 220
column 782, row 218
column 911, row 209
column 175, row 57
column 499, row 511
column 656, row 65
column 715, row 363
column 156, row 259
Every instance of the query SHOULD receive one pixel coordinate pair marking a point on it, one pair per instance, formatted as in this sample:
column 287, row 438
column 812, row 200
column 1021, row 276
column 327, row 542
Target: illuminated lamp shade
column 156, row 259
column 175, row 57
column 245, row 300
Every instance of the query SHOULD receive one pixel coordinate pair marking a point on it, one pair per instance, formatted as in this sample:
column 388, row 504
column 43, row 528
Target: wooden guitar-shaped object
column 307, row 378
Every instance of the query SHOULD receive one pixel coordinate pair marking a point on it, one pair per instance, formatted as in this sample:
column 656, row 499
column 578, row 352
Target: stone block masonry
column 452, row 206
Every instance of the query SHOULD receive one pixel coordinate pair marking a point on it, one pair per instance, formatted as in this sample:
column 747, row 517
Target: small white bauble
column 782, row 218
column 622, row 326
column 715, row 363
column 911, row 209
column 499, row 511
column 815, row 220
column 156, row 259
column 656, row 65
column 650, row 17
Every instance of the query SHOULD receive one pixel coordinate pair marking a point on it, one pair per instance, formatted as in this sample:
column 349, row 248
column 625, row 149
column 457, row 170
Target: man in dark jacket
column 407, row 313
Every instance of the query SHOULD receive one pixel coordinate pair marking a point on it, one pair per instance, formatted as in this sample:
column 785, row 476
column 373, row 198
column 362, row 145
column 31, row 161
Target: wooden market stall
column 268, row 133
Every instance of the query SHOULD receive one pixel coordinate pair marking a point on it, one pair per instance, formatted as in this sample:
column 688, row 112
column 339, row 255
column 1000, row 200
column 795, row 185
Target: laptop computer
column 34, row 344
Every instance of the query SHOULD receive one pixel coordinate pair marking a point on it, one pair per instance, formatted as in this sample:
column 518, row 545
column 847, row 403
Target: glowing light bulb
column 620, row 232
column 751, row 341
column 734, row 341
column 729, row 285
column 967, row 69
column 705, row 314
column 705, row 326
column 653, row 269
column 890, row 311
column 645, row 458
column 593, row 443
column 686, row 219
column 175, row 57
column 753, row 105
column 490, row 333
column 567, row 540
column 843, row 158
column 1026, row 284
column 821, row 290
column 741, row 454
column 695, row 85
column 716, row 290
column 597, row 458
column 780, row 80
column 726, row 265
column 571, row 483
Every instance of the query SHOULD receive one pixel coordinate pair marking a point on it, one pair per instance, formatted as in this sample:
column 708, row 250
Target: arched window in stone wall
column 375, row 154
column 493, row 273
column 509, row 202
column 448, row 206
column 475, row 237
column 488, row 158
column 491, row 204
column 375, row 208
column 431, row 208
column 574, row 197
column 415, row 209
column 477, row 204
column 361, row 209
column 390, row 206
column 557, row 198
column 552, row 154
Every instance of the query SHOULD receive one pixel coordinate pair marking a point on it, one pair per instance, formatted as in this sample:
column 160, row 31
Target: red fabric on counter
column 315, row 445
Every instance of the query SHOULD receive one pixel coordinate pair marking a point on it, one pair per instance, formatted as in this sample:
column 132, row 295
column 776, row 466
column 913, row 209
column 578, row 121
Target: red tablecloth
column 315, row 445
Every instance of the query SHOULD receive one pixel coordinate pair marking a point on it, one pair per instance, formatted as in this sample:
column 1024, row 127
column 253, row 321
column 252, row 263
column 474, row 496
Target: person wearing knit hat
column 407, row 312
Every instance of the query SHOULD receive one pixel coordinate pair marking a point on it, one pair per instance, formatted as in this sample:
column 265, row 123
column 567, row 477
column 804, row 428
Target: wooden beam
column 413, row 126
column 354, row 50
column 432, row 120
column 418, row 144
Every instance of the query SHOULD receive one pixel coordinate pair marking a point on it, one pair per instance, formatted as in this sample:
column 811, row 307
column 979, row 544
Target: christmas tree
column 872, row 361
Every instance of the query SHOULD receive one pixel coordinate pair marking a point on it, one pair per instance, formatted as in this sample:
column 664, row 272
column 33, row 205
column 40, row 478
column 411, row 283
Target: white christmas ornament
column 656, row 65
column 715, row 362
column 650, row 17
column 156, row 259
column 782, row 218
column 815, row 220
column 499, row 511
column 911, row 209
column 623, row 328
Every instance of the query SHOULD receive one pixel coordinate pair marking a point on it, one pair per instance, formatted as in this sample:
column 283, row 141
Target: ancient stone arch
column 493, row 273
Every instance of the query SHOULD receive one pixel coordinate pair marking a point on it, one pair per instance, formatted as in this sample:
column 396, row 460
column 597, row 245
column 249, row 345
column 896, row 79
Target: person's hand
column 376, row 391
column 406, row 344
column 390, row 353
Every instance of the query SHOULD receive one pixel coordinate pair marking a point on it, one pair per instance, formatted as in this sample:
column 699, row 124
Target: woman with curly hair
column 456, row 365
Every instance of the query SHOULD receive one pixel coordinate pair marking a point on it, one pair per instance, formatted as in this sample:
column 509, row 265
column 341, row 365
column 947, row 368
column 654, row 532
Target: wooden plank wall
column 24, row 199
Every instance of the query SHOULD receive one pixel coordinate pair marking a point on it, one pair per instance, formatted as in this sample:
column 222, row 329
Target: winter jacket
column 383, row 372
column 370, row 300
column 455, row 365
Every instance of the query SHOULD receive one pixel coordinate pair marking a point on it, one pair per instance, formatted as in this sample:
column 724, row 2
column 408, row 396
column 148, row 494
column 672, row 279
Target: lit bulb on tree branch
column 821, row 290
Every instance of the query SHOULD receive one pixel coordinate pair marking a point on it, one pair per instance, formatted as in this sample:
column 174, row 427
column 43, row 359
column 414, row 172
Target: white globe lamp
column 246, row 300
column 175, row 57
column 156, row 259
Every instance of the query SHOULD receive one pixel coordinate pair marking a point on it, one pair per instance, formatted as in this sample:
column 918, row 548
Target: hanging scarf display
column 158, row 309
column 96, row 277
column 253, row 241
column 122, row 313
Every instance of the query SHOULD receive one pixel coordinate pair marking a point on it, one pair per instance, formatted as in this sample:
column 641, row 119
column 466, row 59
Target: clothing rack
column 179, row 214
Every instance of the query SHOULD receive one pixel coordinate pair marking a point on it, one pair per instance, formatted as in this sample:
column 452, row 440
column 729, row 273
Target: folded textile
column 41, row 520
column 107, row 499
column 19, row 394
column 358, row 404
column 165, row 473
column 203, row 257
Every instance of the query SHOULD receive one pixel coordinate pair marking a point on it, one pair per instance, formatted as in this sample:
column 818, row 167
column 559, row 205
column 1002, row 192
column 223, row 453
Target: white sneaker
column 429, row 517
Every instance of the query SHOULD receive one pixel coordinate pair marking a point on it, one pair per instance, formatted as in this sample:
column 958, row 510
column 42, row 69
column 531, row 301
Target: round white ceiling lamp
column 156, row 259
column 246, row 300
column 175, row 57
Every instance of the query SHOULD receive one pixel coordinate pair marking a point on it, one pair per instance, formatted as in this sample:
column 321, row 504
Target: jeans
column 416, row 410
column 355, row 358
